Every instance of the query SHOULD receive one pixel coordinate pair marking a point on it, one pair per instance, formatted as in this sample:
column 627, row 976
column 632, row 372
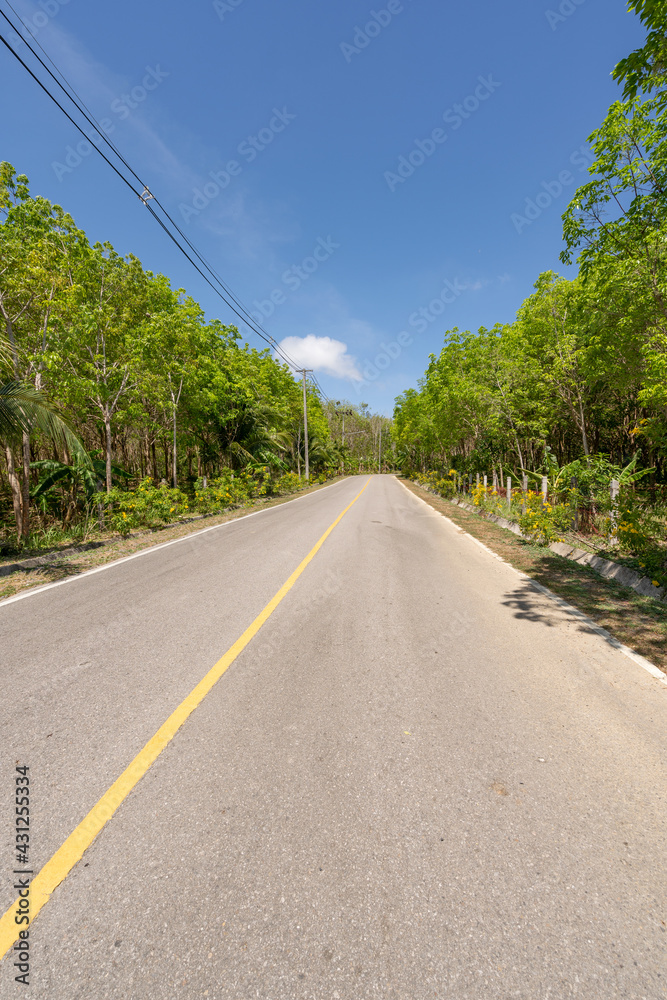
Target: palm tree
column 22, row 410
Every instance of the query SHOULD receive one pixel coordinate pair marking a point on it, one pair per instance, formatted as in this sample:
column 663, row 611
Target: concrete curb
column 605, row 567
column 636, row 657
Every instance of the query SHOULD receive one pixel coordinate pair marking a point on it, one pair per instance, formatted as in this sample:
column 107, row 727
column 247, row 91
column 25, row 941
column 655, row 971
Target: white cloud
column 322, row 354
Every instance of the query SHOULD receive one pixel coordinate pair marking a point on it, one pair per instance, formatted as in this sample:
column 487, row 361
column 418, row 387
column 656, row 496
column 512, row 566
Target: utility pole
column 380, row 450
column 343, row 414
column 304, row 372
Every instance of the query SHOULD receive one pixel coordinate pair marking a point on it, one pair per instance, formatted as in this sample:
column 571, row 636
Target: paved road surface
column 420, row 779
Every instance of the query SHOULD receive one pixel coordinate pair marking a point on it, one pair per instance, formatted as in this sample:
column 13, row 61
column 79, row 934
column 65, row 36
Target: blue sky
column 274, row 133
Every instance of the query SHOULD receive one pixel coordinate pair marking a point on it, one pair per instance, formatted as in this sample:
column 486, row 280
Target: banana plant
column 84, row 476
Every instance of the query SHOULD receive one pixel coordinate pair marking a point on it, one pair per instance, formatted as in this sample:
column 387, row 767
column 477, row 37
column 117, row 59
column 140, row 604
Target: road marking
column 163, row 545
column 637, row 658
column 66, row 857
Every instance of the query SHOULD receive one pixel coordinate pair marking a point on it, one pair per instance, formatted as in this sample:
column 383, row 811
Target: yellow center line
column 66, row 857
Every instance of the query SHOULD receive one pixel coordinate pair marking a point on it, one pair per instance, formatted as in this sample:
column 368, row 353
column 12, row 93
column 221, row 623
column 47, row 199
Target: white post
column 485, row 481
column 614, row 488
column 509, row 493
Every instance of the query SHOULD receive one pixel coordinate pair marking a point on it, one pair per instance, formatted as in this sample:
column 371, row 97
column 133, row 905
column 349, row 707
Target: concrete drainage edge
column 604, row 567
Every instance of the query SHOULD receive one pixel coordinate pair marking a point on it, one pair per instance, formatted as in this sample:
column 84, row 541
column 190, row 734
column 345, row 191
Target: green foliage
column 541, row 521
column 640, row 526
column 487, row 499
column 646, row 68
column 288, row 483
column 445, row 486
column 148, row 506
column 99, row 354
column 24, row 409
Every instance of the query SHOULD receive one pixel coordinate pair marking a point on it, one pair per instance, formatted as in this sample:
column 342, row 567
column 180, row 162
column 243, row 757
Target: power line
column 145, row 196
column 87, row 113
column 322, row 392
column 67, row 115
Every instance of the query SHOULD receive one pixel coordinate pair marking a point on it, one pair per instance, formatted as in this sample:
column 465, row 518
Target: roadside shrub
column 487, row 499
column 445, row 486
column 148, row 506
column 543, row 522
column 288, row 483
column 638, row 531
column 229, row 490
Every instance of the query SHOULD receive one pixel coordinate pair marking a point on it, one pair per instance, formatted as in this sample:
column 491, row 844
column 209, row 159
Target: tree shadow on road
column 531, row 605
column 636, row 621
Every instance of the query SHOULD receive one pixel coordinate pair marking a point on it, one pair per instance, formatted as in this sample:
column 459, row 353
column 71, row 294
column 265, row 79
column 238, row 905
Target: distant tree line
column 143, row 380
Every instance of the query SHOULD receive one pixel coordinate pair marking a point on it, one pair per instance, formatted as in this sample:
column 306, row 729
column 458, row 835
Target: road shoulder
column 71, row 563
column 635, row 621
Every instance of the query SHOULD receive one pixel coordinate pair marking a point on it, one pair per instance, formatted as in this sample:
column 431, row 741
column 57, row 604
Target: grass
column 639, row 622
column 73, row 564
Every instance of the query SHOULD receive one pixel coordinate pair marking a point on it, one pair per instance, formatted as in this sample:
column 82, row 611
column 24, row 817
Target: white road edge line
column 602, row 632
column 163, row 545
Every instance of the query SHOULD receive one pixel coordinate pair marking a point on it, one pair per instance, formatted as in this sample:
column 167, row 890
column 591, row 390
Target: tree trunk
column 25, row 497
column 16, row 490
column 174, row 458
column 584, row 436
column 107, row 430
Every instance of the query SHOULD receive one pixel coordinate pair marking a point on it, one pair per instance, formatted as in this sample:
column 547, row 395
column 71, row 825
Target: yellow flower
column 655, row 583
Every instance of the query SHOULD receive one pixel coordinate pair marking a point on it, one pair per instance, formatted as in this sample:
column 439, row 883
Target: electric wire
column 236, row 305
column 67, row 115
column 77, row 100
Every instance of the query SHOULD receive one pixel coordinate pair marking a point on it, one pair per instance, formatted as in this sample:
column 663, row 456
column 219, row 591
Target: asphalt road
column 421, row 778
